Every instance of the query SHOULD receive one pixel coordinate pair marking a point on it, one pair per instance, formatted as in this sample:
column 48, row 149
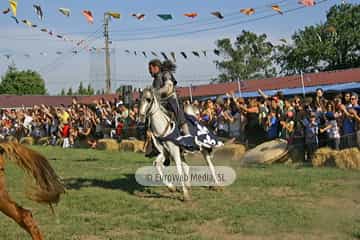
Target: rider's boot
column 185, row 129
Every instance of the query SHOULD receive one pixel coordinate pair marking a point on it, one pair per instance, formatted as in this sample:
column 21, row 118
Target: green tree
column 69, row 92
column 62, row 92
column 332, row 45
column 90, row 90
column 81, row 90
column 25, row 82
column 249, row 57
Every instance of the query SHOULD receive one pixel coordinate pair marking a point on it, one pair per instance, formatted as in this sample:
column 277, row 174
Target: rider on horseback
column 164, row 84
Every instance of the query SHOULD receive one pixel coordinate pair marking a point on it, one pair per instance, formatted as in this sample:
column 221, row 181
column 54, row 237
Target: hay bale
column 10, row 139
column 132, row 146
column 346, row 159
column 230, row 152
column 27, row 141
column 44, row 141
column 107, row 144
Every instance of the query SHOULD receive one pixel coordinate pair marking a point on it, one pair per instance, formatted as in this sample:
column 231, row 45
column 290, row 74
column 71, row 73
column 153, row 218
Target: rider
column 164, row 83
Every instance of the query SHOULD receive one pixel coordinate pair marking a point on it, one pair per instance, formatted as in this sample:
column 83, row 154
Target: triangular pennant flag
column 13, row 6
column 154, row 53
column 144, row 53
column 15, row 19
column 218, row 15
column 58, row 53
column 173, row 56
column 216, row 52
column 135, row 53
column 59, row 36
column 277, row 9
column 88, row 15
column 127, row 51
column 165, row 17
column 27, row 22
column 307, row 3
column 196, row 53
column 184, row 55
column 204, row 52
column 138, row 16
column 65, row 11
column 6, row 11
column 191, row 15
column 74, row 52
column 114, row 14
column 248, row 11
column 43, row 30
column 164, row 55
column 38, row 11
column 33, row 25
column 7, row 56
column 51, row 33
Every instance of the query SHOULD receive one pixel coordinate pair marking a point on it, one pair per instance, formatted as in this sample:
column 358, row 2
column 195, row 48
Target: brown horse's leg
column 22, row 216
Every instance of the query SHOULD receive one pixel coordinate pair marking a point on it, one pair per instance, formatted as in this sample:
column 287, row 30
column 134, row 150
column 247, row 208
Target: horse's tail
column 48, row 187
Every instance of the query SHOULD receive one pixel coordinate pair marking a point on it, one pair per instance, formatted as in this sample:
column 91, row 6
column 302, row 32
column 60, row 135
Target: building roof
column 282, row 83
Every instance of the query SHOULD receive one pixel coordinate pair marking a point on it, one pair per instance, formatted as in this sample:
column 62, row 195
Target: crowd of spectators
column 307, row 123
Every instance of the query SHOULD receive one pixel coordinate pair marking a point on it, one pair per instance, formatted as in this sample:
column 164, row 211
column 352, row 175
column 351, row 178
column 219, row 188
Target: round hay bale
column 324, row 157
column 43, row 141
column 230, row 152
column 268, row 153
column 348, row 158
column 27, row 141
column 132, row 146
column 107, row 144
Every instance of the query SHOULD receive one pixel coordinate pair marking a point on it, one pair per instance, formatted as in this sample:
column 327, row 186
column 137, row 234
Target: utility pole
column 107, row 54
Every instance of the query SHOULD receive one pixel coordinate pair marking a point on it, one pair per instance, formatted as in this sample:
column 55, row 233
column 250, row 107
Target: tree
column 332, row 45
column 81, row 90
column 62, row 92
column 90, row 90
column 250, row 57
column 69, row 92
column 25, row 82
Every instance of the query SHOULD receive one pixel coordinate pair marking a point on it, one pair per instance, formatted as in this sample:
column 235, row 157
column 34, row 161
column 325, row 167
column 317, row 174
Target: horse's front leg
column 159, row 164
column 208, row 156
column 175, row 154
column 20, row 215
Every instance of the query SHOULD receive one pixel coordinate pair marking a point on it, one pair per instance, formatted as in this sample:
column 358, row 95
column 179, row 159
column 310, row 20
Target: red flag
column 307, row 3
column 191, row 15
column 88, row 15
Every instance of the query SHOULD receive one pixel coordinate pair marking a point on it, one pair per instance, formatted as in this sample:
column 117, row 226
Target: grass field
column 103, row 201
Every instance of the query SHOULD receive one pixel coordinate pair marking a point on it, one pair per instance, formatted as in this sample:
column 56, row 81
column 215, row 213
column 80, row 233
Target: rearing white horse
column 161, row 125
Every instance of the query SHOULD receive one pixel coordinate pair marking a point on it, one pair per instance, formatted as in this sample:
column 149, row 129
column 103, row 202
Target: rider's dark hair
column 155, row 62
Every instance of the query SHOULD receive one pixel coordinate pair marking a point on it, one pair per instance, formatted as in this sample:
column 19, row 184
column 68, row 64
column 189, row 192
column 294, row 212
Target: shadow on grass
column 127, row 184
column 87, row 160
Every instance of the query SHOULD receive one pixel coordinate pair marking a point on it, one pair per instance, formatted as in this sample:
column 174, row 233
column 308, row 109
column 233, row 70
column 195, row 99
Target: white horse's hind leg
column 208, row 157
column 186, row 170
column 175, row 154
column 159, row 164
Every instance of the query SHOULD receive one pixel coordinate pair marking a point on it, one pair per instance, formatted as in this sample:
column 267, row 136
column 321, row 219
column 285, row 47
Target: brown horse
column 47, row 190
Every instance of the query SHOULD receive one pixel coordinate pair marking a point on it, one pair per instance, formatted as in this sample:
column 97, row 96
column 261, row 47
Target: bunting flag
column 165, row 17
column 65, row 11
column 216, row 52
column 27, row 22
column 173, row 56
column 127, row 51
column 58, row 53
column 8, row 56
column 184, row 55
column 13, row 6
column 74, row 52
column 139, row 16
column 6, row 11
column 154, row 54
column 114, row 15
column 218, row 15
column 307, row 3
column 135, row 53
column 88, row 15
column 204, row 52
column 38, row 11
column 248, row 11
column 44, row 30
column 196, row 53
column 15, row 19
column 51, row 33
column 164, row 55
column 59, row 36
column 277, row 9
column 191, row 15
column 43, row 54
column 144, row 53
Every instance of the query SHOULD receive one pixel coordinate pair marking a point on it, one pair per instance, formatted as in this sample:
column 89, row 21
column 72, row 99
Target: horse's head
column 146, row 104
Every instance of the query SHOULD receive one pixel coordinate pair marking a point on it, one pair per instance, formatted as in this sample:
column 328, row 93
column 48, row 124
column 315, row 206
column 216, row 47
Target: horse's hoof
column 172, row 189
column 216, row 188
column 187, row 198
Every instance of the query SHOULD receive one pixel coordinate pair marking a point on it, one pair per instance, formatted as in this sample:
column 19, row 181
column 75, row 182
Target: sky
column 152, row 34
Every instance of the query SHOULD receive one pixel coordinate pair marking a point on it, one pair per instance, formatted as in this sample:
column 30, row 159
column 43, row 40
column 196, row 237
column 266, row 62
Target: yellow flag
column 114, row 14
column 13, row 6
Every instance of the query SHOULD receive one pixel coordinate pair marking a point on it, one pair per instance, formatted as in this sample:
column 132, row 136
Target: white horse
column 161, row 125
